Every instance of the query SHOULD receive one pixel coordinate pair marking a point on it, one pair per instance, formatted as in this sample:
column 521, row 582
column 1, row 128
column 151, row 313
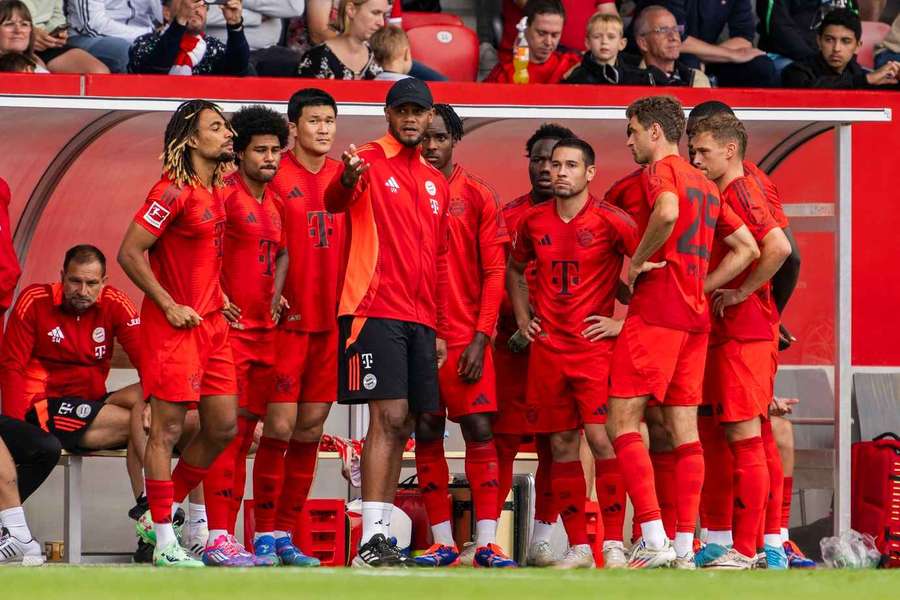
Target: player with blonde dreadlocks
column 187, row 361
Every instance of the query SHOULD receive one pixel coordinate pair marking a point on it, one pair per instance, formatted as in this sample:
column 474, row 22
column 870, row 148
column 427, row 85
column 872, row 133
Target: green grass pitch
column 130, row 582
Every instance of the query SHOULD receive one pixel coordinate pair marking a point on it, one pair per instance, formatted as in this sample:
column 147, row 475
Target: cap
column 409, row 91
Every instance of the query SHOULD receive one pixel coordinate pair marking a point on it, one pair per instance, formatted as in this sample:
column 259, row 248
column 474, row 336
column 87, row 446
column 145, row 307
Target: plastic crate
column 320, row 531
column 594, row 526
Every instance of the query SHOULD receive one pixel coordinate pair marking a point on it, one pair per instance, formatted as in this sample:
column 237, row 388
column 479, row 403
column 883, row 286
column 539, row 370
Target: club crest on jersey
column 157, row 214
column 99, row 335
column 83, row 411
column 56, row 335
column 430, row 187
column 392, row 185
column 457, row 207
column 585, row 237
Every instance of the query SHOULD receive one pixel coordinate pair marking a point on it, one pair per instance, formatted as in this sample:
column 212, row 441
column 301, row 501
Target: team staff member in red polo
column 395, row 270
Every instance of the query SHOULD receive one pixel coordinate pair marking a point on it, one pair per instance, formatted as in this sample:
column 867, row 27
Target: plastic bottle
column 521, row 55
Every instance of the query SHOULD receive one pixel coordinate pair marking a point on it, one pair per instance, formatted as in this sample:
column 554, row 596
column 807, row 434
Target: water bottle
column 521, row 55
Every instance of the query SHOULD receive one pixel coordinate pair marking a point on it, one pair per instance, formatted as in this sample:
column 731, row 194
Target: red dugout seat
column 411, row 20
column 450, row 49
column 872, row 34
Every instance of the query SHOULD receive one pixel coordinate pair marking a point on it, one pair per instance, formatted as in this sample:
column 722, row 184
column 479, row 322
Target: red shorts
column 254, row 361
column 513, row 416
column 740, row 380
column 459, row 398
column 181, row 365
column 566, row 389
column 305, row 366
column 666, row 364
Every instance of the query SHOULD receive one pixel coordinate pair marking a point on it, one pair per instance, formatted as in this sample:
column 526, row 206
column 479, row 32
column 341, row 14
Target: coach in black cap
column 390, row 313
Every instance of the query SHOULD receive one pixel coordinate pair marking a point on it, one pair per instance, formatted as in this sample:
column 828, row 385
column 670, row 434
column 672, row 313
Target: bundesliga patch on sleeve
column 157, row 214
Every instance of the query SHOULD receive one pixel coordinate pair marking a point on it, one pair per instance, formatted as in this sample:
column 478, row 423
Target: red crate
column 320, row 531
column 594, row 525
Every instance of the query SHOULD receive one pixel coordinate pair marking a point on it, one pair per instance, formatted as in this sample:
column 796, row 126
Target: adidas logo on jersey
column 545, row 241
column 251, row 218
column 295, row 193
column 392, row 184
column 481, row 400
column 56, row 335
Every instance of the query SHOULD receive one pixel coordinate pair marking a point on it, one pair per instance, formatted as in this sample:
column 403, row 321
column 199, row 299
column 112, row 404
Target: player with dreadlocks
column 468, row 389
column 254, row 258
column 188, row 359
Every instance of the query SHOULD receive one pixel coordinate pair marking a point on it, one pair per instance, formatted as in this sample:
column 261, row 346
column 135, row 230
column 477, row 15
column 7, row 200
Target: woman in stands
column 348, row 55
column 43, row 38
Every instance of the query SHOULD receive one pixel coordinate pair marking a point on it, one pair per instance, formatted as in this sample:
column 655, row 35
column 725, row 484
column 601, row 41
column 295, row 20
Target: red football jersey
column 49, row 352
column 512, row 211
column 773, row 197
column 753, row 318
column 553, row 70
column 673, row 295
column 186, row 259
column 253, row 237
column 9, row 264
column 475, row 262
column 578, row 265
column 315, row 240
column 628, row 194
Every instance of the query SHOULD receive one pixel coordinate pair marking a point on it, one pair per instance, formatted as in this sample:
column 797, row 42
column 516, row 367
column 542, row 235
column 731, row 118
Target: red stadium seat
column 411, row 20
column 872, row 34
column 450, row 49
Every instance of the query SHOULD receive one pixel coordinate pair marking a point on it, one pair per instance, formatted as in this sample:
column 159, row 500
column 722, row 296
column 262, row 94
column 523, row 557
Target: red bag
column 875, row 497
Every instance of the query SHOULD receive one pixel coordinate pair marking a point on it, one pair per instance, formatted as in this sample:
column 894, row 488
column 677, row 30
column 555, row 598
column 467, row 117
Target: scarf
column 191, row 51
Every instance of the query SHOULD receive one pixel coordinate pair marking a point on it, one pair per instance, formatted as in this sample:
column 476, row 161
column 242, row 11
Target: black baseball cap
column 409, row 91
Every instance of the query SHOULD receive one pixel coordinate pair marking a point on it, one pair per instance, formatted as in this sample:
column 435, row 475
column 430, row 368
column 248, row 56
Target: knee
column 281, row 429
column 165, row 432
column 599, row 442
column 660, row 437
column 221, row 432
column 564, row 446
column 430, row 428
column 476, row 428
column 761, row 71
column 395, row 424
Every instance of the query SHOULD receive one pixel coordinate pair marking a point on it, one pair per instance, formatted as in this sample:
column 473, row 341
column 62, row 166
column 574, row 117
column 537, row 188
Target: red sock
column 637, row 473
column 186, row 477
column 507, row 448
column 246, row 428
column 664, row 480
column 776, row 481
column 299, row 471
column 751, row 487
column 268, row 478
column 787, row 495
column 481, row 471
column 610, row 497
column 716, row 499
column 569, row 490
column 218, row 488
column 688, row 481
column 159, row 496
column 545, row 508
column 434, row 478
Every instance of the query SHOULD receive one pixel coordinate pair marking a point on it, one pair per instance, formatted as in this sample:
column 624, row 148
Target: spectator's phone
column 58, row 30
column 219, row 2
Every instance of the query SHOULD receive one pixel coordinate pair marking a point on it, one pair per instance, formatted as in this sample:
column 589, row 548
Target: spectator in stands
column 658, row 37
column 26, row 444
column 57, row 353
column 51, row 40
column 390, row 46
column 578, row 13
column 602, row 64
column 889, row 48
column 548, row 64
column 18, row 33
column 181, row 48
column 734, row 62
column 835, row 66
column 787, row 28
column 14, row 62
column 264, row 24
column 107, row 28
column 348, row 56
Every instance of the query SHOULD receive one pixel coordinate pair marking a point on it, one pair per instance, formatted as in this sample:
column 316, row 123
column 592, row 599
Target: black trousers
column 34, row 451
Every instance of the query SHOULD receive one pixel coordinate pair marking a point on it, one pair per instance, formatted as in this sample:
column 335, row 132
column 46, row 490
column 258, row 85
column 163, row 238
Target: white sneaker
column 731, row 561
column 644, row 557
column 760, row 561
column 576, row 557
column 614, row 555
column 14, row 550
column 685, row 563
column 540, row 555
column 467, row 556
column 196, row 541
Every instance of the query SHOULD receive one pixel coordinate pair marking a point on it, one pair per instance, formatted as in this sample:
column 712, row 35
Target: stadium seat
column 411, row 20
column 449, row 49
column 872, row 34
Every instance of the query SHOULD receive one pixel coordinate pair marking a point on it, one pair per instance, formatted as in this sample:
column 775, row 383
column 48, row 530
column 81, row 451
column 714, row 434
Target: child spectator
column 601, row 64
column 835, row 66
column 14, row 62
column 391, row 50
